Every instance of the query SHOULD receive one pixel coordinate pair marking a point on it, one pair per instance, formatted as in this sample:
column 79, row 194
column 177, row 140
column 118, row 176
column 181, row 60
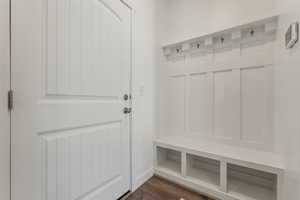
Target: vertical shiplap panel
column 100, row 48
column 75, row 46
column 115, row 44
column 84, row 162
column 113, row 158
column 52, row 48
column 51, row 154
column 212, row 105
column 114, row 51
column 75, row 166
column 237, row 101
column 106, row 152
column 63, row 12
column 78, row 162
column 92, row 76
column 187, row 83
column 62, row 169
column 256, row 104
column 200, row 104
column 269, row 88
column 176, row 104
column 87, row 161
column 117, row 143
column 226, row 105
column 95, row 157
column 108, row 157
column 99, row 155
column 87, row 42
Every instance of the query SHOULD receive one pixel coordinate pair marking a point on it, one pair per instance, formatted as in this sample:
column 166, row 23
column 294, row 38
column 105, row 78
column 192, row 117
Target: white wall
column 182, row 19
column 144, row 61
column 190, row 18
column 287, row 98
column 4, row 86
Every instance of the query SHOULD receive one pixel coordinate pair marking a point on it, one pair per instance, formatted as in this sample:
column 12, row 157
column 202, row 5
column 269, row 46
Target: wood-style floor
column 160, row 189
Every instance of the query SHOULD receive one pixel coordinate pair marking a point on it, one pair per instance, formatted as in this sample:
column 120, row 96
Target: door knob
column 127, row 96
column 127, row 110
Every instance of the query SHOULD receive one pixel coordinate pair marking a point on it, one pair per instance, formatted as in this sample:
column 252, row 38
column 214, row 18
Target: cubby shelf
column 169, row 160
column 203, row 170
column 251, row 184
column 224, row 172
column 249, row 191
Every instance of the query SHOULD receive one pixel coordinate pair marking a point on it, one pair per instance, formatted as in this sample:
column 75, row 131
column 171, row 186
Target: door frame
column 135, row 183
column 129, row 5
column 132, row 8
column 5, row 86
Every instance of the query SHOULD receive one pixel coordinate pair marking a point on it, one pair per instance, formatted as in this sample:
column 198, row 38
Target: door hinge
column 10, row 99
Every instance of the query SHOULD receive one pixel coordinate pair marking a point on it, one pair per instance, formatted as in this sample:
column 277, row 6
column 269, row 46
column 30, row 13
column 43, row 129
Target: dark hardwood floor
column 160, row 189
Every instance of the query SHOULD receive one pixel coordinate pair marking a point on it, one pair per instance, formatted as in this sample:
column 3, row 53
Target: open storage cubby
column 220, row 171
column 168, row 159
column 203, row 169
column 247, row 183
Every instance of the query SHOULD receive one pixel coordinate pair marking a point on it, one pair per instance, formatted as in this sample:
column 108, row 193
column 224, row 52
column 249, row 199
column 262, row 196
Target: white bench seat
column 232, row 162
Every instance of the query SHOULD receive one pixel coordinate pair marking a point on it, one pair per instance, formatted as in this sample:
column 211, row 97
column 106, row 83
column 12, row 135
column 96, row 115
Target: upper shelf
column 259, row 31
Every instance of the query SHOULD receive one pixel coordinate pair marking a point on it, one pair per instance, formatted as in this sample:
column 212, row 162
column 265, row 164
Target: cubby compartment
column 168, row 159
column 204, row 170
column 246, row 183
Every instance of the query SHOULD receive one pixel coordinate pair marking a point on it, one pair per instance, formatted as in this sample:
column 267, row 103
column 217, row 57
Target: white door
column 4, row 112
column 71, row 64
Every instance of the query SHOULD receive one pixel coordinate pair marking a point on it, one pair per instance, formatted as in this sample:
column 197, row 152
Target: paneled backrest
column 224, row 95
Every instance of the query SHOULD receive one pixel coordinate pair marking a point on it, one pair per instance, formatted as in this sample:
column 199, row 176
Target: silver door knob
column 126, row 97
column 127, row 110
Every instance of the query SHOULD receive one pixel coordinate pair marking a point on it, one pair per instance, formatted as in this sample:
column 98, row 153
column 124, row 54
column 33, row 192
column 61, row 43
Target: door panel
column 4, row 113
column 83, row 35
column 69, row 132
column 90, row 157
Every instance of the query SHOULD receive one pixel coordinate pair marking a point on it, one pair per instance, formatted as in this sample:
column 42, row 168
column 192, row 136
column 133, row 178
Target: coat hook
column 178, row 50
column 252, row 32
column 198, row 46
column 222, row 39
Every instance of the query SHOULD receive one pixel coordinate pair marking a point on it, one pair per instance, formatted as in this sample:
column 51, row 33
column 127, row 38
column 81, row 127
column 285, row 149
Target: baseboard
column 140, row 180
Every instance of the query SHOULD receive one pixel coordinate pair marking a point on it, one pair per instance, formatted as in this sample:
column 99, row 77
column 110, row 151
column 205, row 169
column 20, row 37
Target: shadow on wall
column 287, row 98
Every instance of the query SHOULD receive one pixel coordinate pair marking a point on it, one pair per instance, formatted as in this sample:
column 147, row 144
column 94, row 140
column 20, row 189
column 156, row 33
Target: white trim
column 129, row 4
column 140, row 180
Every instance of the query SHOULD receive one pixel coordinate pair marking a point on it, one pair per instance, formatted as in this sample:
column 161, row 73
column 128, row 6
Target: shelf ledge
column 260, row 160
column 262, row 30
